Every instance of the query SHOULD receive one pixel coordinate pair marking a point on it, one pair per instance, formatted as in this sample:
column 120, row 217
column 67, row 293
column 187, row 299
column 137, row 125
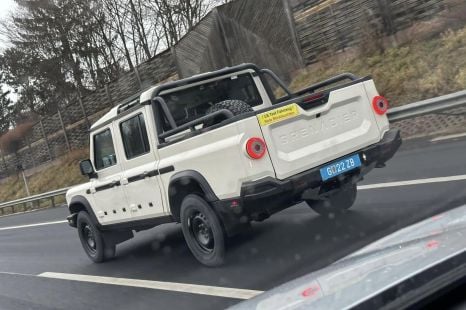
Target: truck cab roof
column 106, row 118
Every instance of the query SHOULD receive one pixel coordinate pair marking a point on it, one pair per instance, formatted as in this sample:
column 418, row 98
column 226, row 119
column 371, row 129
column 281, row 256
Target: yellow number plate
column 278, row 115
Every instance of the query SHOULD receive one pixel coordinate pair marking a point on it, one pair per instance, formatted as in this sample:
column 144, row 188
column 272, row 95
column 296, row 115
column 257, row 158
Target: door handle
column 141, row 176
column 148, row 174
column 107, row 186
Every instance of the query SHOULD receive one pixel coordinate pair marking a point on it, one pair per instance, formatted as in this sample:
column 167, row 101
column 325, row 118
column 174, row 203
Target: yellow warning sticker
column 278, row 115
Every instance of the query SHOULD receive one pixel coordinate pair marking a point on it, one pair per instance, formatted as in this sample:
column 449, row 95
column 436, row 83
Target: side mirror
column 86, row 168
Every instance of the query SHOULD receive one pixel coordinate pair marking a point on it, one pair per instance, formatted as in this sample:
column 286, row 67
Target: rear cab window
column 134, row 136
column 191, row 103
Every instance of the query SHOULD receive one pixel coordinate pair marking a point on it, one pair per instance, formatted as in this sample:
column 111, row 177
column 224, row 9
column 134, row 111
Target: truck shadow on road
column 289, row 244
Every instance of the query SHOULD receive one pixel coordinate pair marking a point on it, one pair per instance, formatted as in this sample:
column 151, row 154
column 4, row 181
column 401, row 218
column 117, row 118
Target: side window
column 134, row 136
column 104, row 152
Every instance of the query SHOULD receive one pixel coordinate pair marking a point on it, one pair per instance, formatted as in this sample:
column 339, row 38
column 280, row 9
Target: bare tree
column 137, row 22
column 117, row 21
column 178, row 16
column 58, row 48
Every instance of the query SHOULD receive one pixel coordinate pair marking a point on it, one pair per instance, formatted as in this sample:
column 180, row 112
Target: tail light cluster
column 380, row 105
column 313, row 100
column 256, row 148
column 313, row 97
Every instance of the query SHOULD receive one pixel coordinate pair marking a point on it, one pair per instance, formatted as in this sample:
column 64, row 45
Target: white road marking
column 33, row 225
column 17, row 274
column 157, row 285
column 458, row 135
column 415, row 182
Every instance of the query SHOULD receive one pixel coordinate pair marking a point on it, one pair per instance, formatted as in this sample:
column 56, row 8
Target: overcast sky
column 6, row 6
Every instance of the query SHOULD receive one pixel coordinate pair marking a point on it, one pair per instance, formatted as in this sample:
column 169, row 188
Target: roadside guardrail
column 429, row 106
column 34, row 200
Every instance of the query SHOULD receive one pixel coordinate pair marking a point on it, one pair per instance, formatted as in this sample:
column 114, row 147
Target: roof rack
column 128, row 103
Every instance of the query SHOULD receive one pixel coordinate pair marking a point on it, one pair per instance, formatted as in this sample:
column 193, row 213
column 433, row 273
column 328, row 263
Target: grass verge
column 408, row 73
column 62, row 173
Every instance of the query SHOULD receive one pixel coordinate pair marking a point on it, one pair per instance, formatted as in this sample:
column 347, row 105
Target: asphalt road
column 288, row 245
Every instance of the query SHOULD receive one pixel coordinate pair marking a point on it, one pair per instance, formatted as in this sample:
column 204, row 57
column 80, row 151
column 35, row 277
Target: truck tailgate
column 299, row 139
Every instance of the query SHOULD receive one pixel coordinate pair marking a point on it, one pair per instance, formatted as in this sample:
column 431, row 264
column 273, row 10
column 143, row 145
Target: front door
column 109, row 200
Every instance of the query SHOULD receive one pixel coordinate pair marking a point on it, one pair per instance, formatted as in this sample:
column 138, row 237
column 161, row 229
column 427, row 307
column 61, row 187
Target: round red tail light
column 255, row 148
column 380, row 105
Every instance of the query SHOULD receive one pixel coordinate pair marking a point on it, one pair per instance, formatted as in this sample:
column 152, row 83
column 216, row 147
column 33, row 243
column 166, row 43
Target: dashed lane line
column 216, row 291
column 414, row 182
column 33, row 225
column 448, row 137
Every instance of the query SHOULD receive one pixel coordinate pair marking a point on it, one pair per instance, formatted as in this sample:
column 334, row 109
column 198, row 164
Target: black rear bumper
column 259, row 199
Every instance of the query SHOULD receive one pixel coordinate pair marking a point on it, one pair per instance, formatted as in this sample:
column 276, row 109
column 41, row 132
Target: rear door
column 299, row 138
column 140, row 162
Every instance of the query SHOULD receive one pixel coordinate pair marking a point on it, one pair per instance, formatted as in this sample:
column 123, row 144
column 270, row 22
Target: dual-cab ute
column 219, row 150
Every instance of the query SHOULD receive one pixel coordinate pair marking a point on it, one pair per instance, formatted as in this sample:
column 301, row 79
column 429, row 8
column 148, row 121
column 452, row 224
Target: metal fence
column 329, row 26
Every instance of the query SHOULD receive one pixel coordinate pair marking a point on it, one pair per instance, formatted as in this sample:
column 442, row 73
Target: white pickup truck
column 219, row 150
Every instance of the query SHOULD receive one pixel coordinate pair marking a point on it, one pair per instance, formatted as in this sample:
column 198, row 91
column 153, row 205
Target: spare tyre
column 237, row 107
